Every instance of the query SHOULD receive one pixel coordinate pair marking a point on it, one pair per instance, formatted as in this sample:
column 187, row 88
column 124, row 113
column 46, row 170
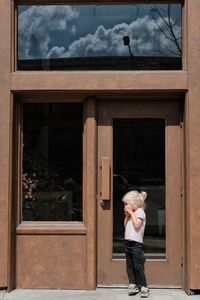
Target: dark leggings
column 134, row 263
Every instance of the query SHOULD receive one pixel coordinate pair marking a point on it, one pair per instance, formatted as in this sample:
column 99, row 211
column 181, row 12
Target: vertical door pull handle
column 105, row 179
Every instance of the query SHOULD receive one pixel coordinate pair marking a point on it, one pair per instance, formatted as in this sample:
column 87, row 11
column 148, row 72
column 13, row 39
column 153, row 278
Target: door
column 139, row 149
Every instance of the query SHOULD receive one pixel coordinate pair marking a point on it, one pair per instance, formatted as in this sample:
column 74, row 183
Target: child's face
column 133, row 206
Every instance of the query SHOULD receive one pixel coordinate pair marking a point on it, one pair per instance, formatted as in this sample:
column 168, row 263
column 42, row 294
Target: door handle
column 105, row 181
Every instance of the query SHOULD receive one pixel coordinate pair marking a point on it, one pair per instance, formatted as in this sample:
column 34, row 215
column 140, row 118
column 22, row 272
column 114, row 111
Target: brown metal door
column 139, row 148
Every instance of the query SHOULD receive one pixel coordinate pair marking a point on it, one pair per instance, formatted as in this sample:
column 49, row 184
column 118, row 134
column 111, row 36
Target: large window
column 52, row 162
column 99, row 37
column 139, row 164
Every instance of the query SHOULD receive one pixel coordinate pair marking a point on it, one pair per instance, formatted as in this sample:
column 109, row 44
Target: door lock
column 102, row 203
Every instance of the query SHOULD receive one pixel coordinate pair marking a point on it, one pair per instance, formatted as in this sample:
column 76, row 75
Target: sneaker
column 144, row 292
column 132, row 289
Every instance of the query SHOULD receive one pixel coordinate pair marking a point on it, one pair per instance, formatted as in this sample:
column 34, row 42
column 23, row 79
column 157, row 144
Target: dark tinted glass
column 99, row 36
column 139, row 164
column 52, row 162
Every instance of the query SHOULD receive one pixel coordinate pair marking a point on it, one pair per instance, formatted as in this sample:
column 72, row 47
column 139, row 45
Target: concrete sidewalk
column 99, row 294
column 2, row 293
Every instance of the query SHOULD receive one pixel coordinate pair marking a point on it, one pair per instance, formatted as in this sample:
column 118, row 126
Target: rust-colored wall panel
column 5, row 17
column 89, row 163
column 97, row 81
column 51, row 261
column 193, row 152
column 4, row 184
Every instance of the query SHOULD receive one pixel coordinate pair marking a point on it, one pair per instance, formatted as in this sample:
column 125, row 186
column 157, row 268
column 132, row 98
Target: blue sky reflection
column 62, row 31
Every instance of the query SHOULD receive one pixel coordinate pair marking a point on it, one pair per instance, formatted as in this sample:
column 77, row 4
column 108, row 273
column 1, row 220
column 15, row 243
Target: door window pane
column 52, row 162
column 139, row 164
column 100, row 37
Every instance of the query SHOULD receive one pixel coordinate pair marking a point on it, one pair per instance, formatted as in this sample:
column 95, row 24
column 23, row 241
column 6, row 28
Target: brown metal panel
column 193, row 145
column 5, row 104
column 108, row 1
column 5, row 117
column 13, row 205
column 185, row 191
column 89, row 163
column 102, row 81
column 57, row 228
column 44, row 261
column 99, row 81
column 161, row 272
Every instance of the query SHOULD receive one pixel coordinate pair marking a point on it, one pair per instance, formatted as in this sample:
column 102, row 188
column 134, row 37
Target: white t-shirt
column 136, row 234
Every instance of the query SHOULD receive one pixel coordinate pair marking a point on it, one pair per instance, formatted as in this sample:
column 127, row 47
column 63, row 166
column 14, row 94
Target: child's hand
column 127, row 211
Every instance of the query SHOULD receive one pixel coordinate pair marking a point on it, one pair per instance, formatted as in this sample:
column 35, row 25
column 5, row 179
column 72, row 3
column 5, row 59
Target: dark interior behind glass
column 139, row 164
column 52, row 162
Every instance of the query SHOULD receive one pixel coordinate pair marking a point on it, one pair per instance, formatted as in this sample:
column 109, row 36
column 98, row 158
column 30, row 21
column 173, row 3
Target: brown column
column 90, row 137
column 5, row 101
column 193, row 153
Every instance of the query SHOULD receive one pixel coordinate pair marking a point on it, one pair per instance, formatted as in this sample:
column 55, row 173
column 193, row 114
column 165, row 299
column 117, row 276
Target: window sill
column 52, row 228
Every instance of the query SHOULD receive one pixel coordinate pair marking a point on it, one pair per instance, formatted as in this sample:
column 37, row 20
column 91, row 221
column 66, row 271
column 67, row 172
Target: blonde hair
column 135, row 197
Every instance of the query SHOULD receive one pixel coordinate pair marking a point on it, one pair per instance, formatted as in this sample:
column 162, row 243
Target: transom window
column 99, row 37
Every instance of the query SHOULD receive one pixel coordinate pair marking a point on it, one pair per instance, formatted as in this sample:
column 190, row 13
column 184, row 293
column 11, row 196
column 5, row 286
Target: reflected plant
column 30, row 184
column 35, row 177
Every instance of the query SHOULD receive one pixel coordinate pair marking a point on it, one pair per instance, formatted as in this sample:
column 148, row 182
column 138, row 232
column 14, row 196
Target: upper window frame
column 82, row 2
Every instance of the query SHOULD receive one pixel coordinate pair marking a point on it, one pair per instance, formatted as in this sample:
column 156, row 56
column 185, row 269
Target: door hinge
column 181, row 119
column 181, row 190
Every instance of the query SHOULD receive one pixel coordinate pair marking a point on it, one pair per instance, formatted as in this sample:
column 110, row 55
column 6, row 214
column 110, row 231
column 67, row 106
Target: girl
column 134, row 223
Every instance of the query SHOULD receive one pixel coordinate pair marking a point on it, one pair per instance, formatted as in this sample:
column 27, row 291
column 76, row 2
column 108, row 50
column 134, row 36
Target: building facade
column 112, row 109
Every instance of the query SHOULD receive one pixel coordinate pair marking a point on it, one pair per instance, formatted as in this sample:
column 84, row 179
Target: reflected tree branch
column 173, row 52
column 163, row 32
column 169, row 26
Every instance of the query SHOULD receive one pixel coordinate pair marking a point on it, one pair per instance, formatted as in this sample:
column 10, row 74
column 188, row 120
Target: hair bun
column 144, row 195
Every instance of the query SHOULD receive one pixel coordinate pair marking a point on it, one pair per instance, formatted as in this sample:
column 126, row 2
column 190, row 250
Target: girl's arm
column 137, row 222
column 126, row 220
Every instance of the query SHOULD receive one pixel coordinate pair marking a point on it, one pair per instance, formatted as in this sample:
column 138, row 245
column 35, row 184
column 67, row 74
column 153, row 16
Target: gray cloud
column 35, row 23
column 145, row 38
column 55, row 52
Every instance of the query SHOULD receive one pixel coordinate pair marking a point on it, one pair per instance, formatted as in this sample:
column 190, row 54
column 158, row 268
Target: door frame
column 181, row 199
column 90, row 155
column 84, row 233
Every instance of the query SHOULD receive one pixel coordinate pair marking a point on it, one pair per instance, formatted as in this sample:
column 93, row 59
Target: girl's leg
column 138, row 264
column 129, row 263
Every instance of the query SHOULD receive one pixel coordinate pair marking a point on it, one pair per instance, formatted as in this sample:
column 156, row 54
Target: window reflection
column 139, row 164
column 100, row 36
column 52, row 162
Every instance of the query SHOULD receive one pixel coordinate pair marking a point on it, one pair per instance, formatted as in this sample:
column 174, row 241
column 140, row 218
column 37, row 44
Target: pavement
column 99, row 294
column 2, row 293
